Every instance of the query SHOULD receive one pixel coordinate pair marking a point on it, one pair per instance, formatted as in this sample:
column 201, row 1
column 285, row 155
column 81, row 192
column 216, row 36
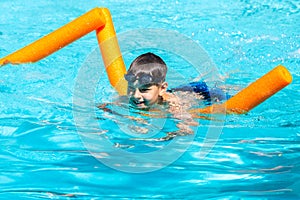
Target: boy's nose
column 137, row 94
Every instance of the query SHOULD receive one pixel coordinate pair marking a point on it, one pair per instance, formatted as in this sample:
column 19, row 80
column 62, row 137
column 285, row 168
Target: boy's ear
column 163, row 88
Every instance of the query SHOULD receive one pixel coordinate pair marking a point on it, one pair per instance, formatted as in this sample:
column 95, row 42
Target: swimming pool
column 256, row 156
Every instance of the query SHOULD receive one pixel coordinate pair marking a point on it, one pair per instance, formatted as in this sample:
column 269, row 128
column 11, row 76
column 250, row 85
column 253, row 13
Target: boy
column 147, row 88
column 146, row 81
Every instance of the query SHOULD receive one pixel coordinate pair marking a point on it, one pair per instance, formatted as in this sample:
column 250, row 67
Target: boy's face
column 143, row 96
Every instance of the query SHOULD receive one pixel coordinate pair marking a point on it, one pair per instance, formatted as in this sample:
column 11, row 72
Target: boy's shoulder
column 170, row 97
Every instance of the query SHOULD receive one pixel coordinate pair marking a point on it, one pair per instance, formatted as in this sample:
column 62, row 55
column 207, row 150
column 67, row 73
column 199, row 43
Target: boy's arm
column 105, row 108
column 179, row 111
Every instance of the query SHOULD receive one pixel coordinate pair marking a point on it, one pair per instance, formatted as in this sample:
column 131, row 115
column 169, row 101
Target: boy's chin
column 140, row 106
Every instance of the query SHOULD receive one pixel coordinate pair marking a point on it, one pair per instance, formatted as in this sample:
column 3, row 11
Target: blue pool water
column 52, row 146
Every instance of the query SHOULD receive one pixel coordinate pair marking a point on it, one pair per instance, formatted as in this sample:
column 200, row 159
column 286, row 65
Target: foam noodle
column 254, row 94
column 111, row 54
column 56, row 40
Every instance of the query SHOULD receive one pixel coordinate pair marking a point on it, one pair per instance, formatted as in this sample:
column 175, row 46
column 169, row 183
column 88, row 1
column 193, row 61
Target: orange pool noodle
column 57, row 39
column 111, row 54
column 254, row 94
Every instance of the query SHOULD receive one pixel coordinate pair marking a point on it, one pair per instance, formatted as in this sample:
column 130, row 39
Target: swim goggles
column 142, row 78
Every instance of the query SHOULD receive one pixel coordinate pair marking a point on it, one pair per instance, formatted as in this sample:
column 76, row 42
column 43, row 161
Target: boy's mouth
column 138, row 103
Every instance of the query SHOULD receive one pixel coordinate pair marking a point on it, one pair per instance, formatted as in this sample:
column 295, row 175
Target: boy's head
column 146, row 80
column 147, row 68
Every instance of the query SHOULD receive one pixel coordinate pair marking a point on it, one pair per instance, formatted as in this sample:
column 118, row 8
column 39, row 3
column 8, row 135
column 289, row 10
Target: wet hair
column 147, row 68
